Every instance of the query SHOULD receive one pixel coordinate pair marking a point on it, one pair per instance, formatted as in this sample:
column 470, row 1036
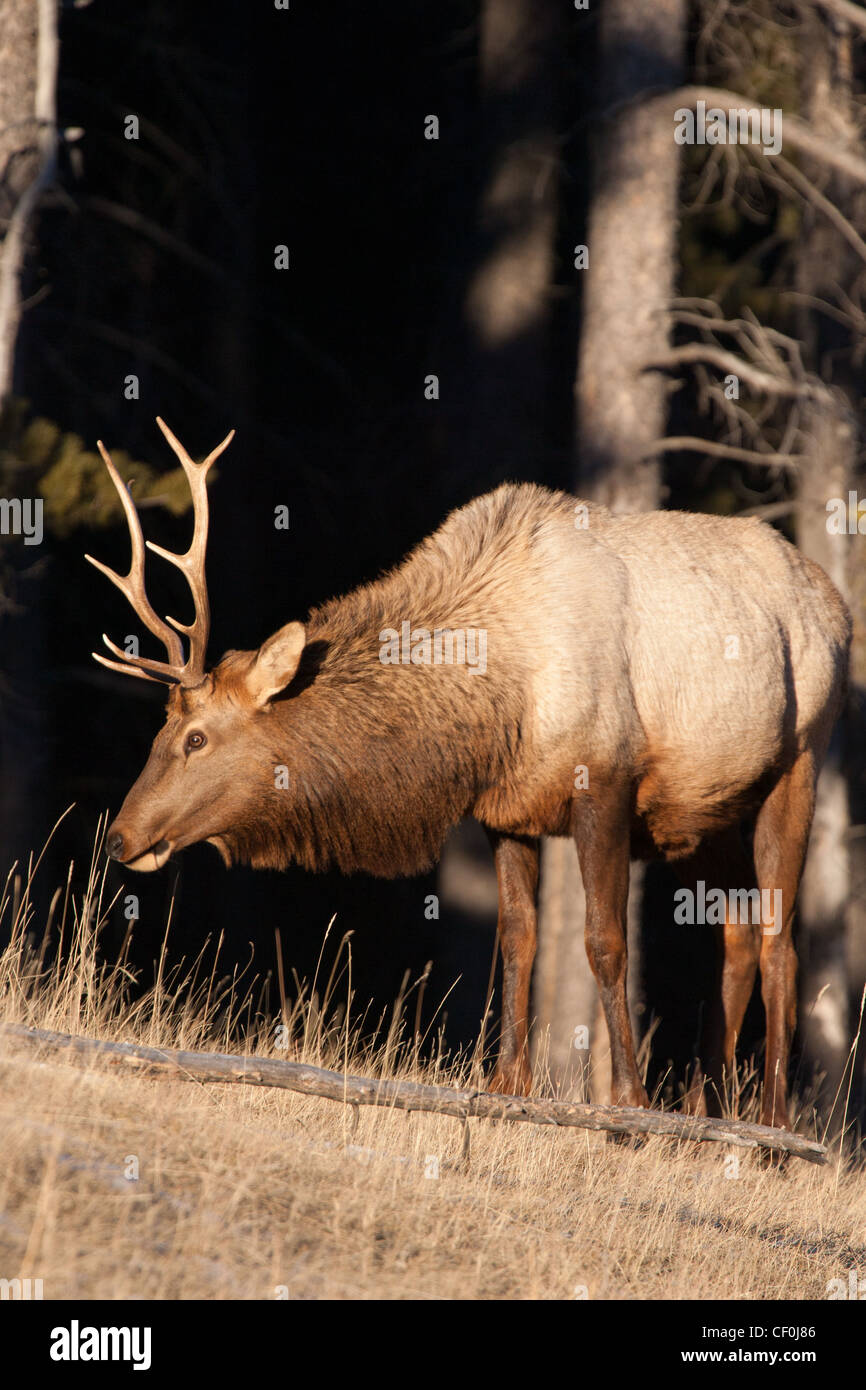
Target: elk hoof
column 633, row 1096
column 695, row 1102
column 775, row 1118
column 514, row 1080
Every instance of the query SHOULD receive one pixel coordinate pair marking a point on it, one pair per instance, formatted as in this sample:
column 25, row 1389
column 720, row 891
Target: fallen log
column 411, row 1095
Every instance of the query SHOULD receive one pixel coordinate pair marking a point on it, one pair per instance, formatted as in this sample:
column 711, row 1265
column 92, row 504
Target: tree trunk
column 28, row 75
column 504, row 412
column 827, row 470
column 28, row 78
column 632, row 243
column 507, row 304
column 621, row 413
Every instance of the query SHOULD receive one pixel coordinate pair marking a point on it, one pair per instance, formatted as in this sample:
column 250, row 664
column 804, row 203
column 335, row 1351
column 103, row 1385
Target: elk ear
column 276, row 662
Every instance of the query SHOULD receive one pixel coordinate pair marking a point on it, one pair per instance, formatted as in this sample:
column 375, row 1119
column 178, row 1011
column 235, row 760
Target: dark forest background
column 154, row 257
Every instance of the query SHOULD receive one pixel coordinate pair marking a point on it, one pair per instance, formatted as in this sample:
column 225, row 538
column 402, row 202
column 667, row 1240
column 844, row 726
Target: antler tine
column 163, row 670
column 189, row 465
column 121, row 666
column 131, row 585
column 191, row 563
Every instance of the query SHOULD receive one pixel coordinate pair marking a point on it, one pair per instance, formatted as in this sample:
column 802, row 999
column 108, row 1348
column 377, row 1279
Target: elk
column 689, row 667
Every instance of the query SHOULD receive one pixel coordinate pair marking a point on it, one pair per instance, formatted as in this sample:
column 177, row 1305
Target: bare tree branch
column 855, row 322
column 410, row 1095
column 805, row 186
column 855, row 15
column 731, row 451
column 772, row 511
column 796, row 132
column 773, row 384
column 146, row 227
column 738, row 327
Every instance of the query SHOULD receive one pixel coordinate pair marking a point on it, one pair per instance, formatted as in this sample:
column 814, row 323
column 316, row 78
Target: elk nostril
column 115, row 845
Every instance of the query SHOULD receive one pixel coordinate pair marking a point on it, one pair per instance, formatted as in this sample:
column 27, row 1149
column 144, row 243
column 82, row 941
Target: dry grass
column 124, row 1186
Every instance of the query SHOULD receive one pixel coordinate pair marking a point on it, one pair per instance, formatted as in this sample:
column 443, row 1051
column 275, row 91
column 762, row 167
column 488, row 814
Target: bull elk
column 689, row 666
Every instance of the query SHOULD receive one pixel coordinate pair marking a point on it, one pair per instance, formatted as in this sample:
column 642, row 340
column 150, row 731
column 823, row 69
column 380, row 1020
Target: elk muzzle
column 120, row 845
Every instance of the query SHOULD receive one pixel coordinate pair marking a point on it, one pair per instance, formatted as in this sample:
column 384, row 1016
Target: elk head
column 197, row 777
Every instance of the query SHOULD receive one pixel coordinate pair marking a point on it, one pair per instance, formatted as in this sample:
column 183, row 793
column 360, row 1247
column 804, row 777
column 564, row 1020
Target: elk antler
column 191, row 564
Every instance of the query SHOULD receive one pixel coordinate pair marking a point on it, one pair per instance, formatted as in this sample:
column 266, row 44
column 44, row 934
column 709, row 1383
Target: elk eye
column 194, row 741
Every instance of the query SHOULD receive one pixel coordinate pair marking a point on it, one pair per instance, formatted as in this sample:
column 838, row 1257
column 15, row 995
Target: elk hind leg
column 723, row 862
column 781, row 838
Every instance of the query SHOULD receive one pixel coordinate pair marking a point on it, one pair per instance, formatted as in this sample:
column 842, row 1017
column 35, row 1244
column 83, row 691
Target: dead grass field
column 124, row 1186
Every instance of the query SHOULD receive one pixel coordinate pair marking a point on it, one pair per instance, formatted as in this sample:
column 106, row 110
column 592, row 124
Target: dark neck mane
column 384, row 759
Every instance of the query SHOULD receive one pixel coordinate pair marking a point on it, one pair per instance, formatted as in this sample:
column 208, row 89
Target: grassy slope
column 249, row 1193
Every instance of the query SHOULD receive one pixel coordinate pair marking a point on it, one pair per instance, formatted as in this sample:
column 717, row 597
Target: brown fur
column 608, row 647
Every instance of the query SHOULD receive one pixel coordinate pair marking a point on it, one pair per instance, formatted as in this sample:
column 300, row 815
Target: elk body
column 652, row 682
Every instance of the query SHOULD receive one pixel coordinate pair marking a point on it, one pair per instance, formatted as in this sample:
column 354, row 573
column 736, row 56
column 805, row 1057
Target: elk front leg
column 601, row 831
column 517, row 876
